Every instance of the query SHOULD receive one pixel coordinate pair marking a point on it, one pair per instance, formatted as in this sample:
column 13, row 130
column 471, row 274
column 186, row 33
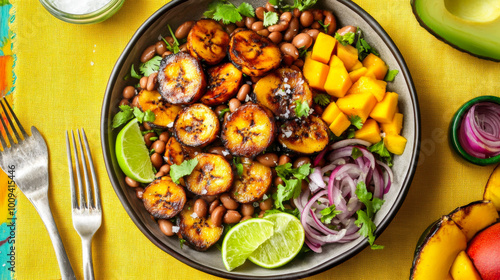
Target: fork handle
column 43, row 208
column 88, row 267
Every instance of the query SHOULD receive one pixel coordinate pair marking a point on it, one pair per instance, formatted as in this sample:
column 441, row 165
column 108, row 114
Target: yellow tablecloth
column 62, row 71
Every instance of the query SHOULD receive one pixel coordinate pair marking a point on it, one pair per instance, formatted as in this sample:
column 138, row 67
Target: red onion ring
column 479, row 132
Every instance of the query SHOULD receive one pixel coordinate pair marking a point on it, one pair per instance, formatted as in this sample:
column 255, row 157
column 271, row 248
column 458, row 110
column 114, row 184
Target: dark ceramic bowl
column 456, row 123
column 347, row 13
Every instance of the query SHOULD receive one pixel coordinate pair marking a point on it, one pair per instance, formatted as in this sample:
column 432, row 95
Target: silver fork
column 88, row 215
column 27, row 159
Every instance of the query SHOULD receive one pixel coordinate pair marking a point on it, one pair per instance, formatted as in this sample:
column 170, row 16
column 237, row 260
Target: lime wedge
column 243, row 239
column 133, row 155
column 284, row 245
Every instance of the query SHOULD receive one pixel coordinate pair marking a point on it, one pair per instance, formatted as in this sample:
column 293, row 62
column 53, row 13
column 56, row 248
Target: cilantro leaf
column 367, row 228
column 141, row 116
column 346, row 39
column 322, row 99
column 350, row 133
column 212, row 7
column 328, row 214
column 223, row 112
column 303, row 51
column 134, row 74
column 301, row 108
column 122, row 117
column 364, row 220
column 356, row 121
column 325, row 26
column 356, row 153
column 149, row 67
column 303, row 5
column 270, row 18
column 292, row 186
column 391, row 75
column 380, row 149
column 238, row 165
column 182, row 241
column 185, row 168
column 245, row 9
column 363, row 47
column 228, row 13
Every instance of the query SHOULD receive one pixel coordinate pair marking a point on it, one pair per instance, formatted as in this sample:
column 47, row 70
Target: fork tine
column 11, row 141
column 15, row 118
column 92, row 172
column 74, row 204
column 90, row 200
column 4, row 143
column 78, row 174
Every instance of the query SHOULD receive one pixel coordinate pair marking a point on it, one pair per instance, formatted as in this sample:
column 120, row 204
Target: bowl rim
column 405, row 186
column 456, row 123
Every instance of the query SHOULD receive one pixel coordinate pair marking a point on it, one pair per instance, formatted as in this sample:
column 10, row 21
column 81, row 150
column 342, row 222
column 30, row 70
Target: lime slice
column 133, row 155
column 284, row 245
column 243, row 239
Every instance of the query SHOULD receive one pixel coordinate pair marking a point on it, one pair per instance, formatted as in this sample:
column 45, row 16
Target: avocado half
column 472, row 26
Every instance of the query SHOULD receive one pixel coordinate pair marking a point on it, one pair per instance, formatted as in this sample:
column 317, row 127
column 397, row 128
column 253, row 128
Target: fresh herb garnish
column 356, row 121
column 301, row 108
column 141, row 116
column 381, row 151
column 303, row 51
column 292, row 187
column 185, row 168
column 356, row 153
column 228, row 12
column 391, row 75
column 270, row 18
column 127, row 113
column 238, row 165
column 322, row 99
column 175, row 46
column 350, row 133
column 364, row 221
column 363, row 47
column 223, row 112
column 325, row 26
column 149, row 67
column 182, row 241
column 328, row 214
column 299, row 4
column 346, row 39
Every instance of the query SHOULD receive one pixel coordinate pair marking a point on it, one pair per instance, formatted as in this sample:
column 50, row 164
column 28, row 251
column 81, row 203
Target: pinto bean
column 213, row 205
column 152, row 79
column 247, row 209
column 346, row 29
column 183, row 30
column 276, row 37
column 243, row 92
column 217, row 215
column 128, row 92
column 259, row 12
column 234, row 104
column 200, row 208
column 284, row 159
column 166, row 227
column 313, row 33
column 330, row 21
column 290, row 50
column 249, row 21
column 228, row 202
column 131, row 182
column 270, row 7
column 292, row 30
column 301, row 161
column 232, row 217
column 124, row 102
column 148, row 53
column 266, row 204
column 306, row 18
column 303, row 40
column 268, row 159
column 160, row 47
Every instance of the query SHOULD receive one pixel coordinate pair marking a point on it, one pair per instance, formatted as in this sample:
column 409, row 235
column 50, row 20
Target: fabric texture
column 62, row 71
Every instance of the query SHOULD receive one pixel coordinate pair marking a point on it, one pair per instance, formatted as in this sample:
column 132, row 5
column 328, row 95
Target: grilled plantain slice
column 255, row 55
column 253, row 183
column 163, row 198
column 199, row 233
column 306, row 135
column 207, row 41
column 165, row 113
column 181, row 79
column 281, row 90
column 248, row 130
column 212, row 175
column 224, row 82
column 174, row 153
column 196, row 125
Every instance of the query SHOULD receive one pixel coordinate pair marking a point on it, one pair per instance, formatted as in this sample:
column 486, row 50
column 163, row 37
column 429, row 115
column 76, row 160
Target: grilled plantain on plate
column 307, row 135
column 212, row 175
column 181, row 79
column 224, row 81
column 165, row 113
column 255, row 55
column 248, row 130
column 207, row 41
column 196, row 125
column 163, row 198
column 174, row 154
column 253, row 183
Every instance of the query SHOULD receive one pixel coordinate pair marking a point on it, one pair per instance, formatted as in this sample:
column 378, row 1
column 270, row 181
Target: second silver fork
column 87, row 215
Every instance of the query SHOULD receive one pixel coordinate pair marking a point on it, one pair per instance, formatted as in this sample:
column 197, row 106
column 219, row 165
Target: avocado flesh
column 472, row 26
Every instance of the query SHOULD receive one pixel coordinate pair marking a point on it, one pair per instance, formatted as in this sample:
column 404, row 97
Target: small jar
column 85, row 17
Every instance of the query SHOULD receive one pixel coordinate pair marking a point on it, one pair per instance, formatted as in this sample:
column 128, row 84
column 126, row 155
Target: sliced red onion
column 479, row 132
column 317, row 178
column 319, row 157
column 350, row 142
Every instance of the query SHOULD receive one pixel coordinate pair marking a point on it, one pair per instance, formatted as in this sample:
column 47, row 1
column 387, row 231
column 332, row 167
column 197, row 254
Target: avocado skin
column 487, row 53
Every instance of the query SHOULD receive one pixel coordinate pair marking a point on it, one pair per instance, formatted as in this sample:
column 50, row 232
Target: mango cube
column 395, row 143
column 340, row 124
column 348, row 54
column 315, row 72
column 323, row 48
column 330, row 113
column 338, row 80
column 369, row 132
column 357, row 66
column 384, row 111
column 358, row 73
column 395, row 126
column 376, row 66
column 367, row 84
column 357, row 104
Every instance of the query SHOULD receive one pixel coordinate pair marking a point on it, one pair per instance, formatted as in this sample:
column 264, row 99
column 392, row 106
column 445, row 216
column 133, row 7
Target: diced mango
column 315, row 72
column 395, row 126
column 330, row 113
column 367, row 84
column 369, row 132
column 395, row 143
column 356, row 66
column 338, row 80
column 348, row 54
column 384, row 111
column 340, row 124
column 376, row 66
column 323, row 48
column 357, row 104
column 358, row 73
column 463, row 269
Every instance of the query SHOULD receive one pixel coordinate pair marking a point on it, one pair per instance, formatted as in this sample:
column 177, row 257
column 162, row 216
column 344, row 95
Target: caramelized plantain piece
column 253, row 183
column 213, row 175
column 163, row 198
column 181, row 79
column 281, row 90
column 196, row 125
column 165, row 113
column 174, row 153
column 255, row 55
column 199, row 233
column 307, row 135
column 207, row 41
column 224, row 81
column 248, row 130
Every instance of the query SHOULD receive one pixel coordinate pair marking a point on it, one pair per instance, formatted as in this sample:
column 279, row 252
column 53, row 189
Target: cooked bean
column 278, row 181
column 166, row 53
column 294, row 67
column 219, row 109
column 249, row 21
column 318, row 14
column 287, row 60
column 299, row 63
column 213, row 205
column 135, row 102
column 230, row 28
column 131, row 182
column 234, row 104
column 316, row 25
column 128, row 92
column 259, row 13
column 296, row 12
column 330, row 21
column 306, row 18
column 313, row 33
column 165, row 168
column 183, row 47
column 200, row 208
column 293, row 29
column 290, row 50
column 276, row 37
column 160, row 174
column 258, row 25
column 158, row 146
column 304, row 186
column 303, row 40
column 261, row 213
column 245, row 218
column 346, row 29
column 143, row 82
column 247, row 209
column 301, row 161
column 267, row 204
column 217, row 215
column 148, row 53
column 241, row 23
column 268, row 159
column 270, row 7
column 124, row 102
column 147, row 138
column 280, row 27
column 263, row 32
column 164, row 136
column 166, row 227
column 169, row 40
column 228, row 202
column 139, row 192
column 210, row 198
column 232, row 217
column 243, row 92
column 318, row 109
column 286, row 16
column 160, row 47
column 284, row 159
column 157, row 160
column 152, row 79
column 183, row 30
column 147, row 126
